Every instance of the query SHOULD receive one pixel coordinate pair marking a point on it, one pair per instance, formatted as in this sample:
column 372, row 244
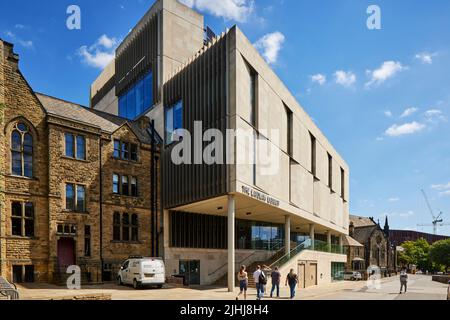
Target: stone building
column 76, row 185
column 378, row 251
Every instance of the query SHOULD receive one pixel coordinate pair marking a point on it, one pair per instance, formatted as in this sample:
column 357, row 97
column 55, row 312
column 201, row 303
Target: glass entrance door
column 190, row 269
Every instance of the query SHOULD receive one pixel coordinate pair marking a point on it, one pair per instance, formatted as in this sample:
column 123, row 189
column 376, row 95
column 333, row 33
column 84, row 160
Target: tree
column 417, row 253
column 440, row 253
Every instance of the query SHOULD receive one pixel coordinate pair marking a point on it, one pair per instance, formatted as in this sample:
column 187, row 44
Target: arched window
column 22, row 151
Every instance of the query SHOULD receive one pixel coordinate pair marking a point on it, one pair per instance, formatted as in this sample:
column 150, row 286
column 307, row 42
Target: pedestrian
column 243, row 282
column 260, row 281
column 276, row 276
column 403, row 280
column 292, row 280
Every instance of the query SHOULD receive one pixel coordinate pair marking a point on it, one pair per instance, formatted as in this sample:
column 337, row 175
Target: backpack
column 262, row 278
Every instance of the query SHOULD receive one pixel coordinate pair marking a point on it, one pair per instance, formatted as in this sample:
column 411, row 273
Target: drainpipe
column 152, row 189
column 101, row 207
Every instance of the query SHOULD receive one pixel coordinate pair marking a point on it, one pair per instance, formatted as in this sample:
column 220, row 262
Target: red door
column 66, row 252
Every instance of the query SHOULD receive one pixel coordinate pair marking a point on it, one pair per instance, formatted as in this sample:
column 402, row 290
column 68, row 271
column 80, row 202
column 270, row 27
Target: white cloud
column 408, row 112
column 441, row 187
column 238, row 10
column 319, row 78
column 387, row 70
column 406, row 214
column 388, row 113
column 270, row 46
column 445, row 193
column 404, row 129
column 435, row 115
column 14, row 38
column 345, row 78
column 425, row 57
column 101, row 53
column 394, row 199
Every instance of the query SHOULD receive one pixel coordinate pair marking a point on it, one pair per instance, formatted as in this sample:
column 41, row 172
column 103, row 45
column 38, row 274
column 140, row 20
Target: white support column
column 231, row 243
column 311, row 234
column 341, row 243
column 329, row 240
column 287, row 235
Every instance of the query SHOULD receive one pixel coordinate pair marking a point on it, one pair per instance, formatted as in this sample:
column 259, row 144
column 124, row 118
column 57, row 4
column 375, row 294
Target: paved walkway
column 420, row 287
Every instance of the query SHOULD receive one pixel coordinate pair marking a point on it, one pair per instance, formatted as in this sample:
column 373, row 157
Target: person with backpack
column 292, row 279
column 260, row 282
column 243, row 282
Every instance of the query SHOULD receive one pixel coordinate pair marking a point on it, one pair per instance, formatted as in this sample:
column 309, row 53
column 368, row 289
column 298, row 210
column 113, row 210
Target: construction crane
column 437, row 220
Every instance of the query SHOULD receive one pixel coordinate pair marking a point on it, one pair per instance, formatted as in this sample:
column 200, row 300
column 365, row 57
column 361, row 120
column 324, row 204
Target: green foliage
column 440, row 253
column 417, row 253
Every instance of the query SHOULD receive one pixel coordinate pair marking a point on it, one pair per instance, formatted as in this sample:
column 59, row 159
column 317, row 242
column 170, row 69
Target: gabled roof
column 105, row 121
column 362, row 234
column 361, row 221
column 350, row 242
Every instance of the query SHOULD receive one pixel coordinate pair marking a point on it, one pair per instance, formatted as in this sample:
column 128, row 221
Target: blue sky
column 382, row 97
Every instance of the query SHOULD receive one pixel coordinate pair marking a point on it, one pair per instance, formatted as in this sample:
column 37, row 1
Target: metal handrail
column 290, row 255
column 8, row 289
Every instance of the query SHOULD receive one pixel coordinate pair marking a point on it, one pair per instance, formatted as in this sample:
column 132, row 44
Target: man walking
column 403, row 280
column 276, row 275
column 260, row 281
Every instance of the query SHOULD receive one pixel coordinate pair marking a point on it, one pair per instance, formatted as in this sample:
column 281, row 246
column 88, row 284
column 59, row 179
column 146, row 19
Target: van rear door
column 151, row 268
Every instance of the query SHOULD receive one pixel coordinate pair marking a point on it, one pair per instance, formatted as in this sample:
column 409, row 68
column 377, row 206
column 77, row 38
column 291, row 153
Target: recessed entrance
column 190, row 269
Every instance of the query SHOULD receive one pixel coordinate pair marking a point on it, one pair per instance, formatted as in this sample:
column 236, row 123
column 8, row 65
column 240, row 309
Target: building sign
column 260, row 196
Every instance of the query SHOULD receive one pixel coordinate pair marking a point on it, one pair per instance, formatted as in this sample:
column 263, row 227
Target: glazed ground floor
column 208, row 241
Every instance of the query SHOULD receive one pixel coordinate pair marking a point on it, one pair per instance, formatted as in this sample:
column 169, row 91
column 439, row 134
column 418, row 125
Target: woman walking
column 243, row 282
column 292, row 279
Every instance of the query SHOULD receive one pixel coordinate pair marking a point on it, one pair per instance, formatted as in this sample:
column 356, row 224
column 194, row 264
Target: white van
column 142, row 272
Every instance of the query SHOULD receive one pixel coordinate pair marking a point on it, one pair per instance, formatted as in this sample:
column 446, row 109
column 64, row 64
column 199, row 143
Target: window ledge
column 116, row 195
column 75, row 159
column 22, row 238
column 21, row 177
column 126, row 161
column 75, row 212
column 125, row 242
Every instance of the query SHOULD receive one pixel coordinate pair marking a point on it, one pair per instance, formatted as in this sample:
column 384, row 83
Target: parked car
column 352, row 275
column 142, row 272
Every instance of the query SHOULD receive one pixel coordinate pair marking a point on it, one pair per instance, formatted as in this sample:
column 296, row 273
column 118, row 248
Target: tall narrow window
column 87, row 241
column 116, row 226
column 70, row 197
column 133, row 152
column 70, row 145
column 21, row 151
column 115, row 183
column 134, row 187
column 330, row 171
column 313, row 155
column 174, row 122
column 290, row 131
column 125, row 186
column 126, row 227
column 81, row 198
column 253, row 78
column 22, row 219
column 134, row 228
column 81, row 148
column 125, row 151
column 342, row 183
column 117, row 149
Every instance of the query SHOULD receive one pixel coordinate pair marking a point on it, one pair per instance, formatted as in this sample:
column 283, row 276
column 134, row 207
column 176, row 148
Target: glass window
column 139, row 97
column 125, row 186
column 70, row 197
column 22, row 219
column 125, row 151
column 131, row 103
column 123, row 106
column 70, row 145
column 115, row 183
column 134, row 152
column 116, row 148
column 81, row 199
column 134, row 187
column 81, row 148
column 126, row 227
column 16, row 220
column 21, row 151
column 134, row 227
column 148, row 91
column 116, row 227
column 174, row 122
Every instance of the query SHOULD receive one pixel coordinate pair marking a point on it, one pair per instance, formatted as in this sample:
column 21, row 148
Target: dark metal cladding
column 137, row 57
column 201, row 86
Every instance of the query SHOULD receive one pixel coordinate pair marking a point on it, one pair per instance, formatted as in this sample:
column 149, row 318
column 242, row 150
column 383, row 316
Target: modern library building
column 246, row 176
